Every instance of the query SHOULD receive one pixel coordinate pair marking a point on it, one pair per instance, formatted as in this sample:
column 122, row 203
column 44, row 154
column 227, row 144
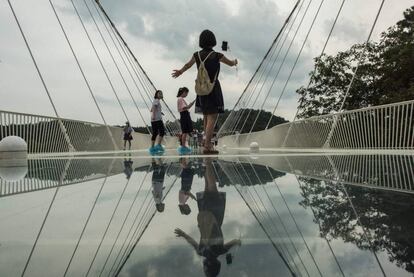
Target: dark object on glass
column 229, row 258
column 224, row 45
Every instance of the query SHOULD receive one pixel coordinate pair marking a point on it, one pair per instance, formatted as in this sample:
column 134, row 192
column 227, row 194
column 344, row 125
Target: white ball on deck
column 13, row 158
column 13, row 148
column 254, row 146
column 224, row 147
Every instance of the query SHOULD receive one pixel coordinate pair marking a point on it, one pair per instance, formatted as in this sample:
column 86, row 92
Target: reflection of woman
column 187, row 175
column 158, row 175
column 211, row 206
column 128, row 167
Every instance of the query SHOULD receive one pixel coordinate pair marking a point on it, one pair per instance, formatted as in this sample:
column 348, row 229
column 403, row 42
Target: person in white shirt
column 185, row 118
column 157, row 125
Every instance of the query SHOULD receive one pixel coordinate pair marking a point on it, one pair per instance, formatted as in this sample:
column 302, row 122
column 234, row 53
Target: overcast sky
column 163, row 34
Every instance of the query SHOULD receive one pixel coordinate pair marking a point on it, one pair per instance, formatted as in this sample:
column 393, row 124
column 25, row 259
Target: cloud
column 163, row 35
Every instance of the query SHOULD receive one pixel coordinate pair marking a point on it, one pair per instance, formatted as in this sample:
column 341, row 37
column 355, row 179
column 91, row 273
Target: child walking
column 185, row 118
column 158, row 129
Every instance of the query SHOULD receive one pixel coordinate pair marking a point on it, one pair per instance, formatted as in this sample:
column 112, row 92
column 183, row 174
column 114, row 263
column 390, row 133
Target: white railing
column 45, row 134
column 380, row 127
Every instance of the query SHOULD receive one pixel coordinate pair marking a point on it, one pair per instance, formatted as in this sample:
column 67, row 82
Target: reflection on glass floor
column 280, row 215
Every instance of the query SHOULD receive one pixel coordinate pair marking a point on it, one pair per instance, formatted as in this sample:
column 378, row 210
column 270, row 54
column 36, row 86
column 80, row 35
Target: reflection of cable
column 142, row 232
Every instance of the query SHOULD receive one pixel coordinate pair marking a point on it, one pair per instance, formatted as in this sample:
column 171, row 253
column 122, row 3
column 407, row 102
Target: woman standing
column 128, row 135
column 185, row 119
column 157, row 125
column 212, row 104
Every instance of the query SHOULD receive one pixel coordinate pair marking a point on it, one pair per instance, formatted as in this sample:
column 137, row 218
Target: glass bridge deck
column 238, row 214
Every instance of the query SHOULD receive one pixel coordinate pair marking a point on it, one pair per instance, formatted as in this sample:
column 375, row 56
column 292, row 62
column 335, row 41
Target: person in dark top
column 128, row 135
column 211, row 205
column 187, row 176
column 212, row 104
column 185, row 118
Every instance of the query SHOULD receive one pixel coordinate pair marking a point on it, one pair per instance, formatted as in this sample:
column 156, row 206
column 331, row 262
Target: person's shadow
column 211, row 206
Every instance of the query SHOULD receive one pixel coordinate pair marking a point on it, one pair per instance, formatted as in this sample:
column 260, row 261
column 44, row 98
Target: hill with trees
column 385, row 74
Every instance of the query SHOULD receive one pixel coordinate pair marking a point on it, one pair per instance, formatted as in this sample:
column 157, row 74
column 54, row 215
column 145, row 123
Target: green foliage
column 384, row 216
column 385, row 74
column 249, row 118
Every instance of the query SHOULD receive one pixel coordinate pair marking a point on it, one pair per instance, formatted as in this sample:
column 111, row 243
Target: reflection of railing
column 44, row 174
column 389, row 172
column 381, row 127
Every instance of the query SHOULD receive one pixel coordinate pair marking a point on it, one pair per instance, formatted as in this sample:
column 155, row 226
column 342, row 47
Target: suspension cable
column 274, row 62
column 335, row 122
column 282, row 63
column 124, row 221
column 61, row 125
column 260, row 212
column 88, row 218
column 264, row 58
column 143, row 231
column 120, row 45
column 257, row 82
column 313, row 74
column 295, row 63
column 280, row 218
column 265, row 231
column 82, row 72
column 131, row 229
column 136, row 61
column 115, row 63
column 107, row 227
column 99, row 58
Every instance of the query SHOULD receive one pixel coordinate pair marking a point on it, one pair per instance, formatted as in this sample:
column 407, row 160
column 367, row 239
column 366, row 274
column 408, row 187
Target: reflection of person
column 187, row 175
column 212, row 104
column 211, row 205
column 128, row 167
column 158, row 174
column 127, row 135
column 157, row 125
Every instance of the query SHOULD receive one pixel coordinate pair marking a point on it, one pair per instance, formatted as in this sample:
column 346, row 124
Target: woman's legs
column 161, row 131
column 209, row 130
column 183, row 139
column 155, row 131
column 209, row 176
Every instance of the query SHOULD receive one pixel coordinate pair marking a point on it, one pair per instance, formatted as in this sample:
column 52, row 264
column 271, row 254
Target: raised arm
column 225, row 60
column 178, row 72
column 180, row 233
column 230, row 244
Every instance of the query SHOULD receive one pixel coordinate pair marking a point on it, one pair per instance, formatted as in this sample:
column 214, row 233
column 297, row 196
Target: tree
column 247, row 119
column 385, row 74
column 384, row 215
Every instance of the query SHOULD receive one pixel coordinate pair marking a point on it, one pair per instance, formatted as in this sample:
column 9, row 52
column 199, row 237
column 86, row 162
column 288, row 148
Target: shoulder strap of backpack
column 199, row 57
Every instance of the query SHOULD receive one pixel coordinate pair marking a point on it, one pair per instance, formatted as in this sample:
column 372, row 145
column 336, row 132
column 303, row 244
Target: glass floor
column 238, row 214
